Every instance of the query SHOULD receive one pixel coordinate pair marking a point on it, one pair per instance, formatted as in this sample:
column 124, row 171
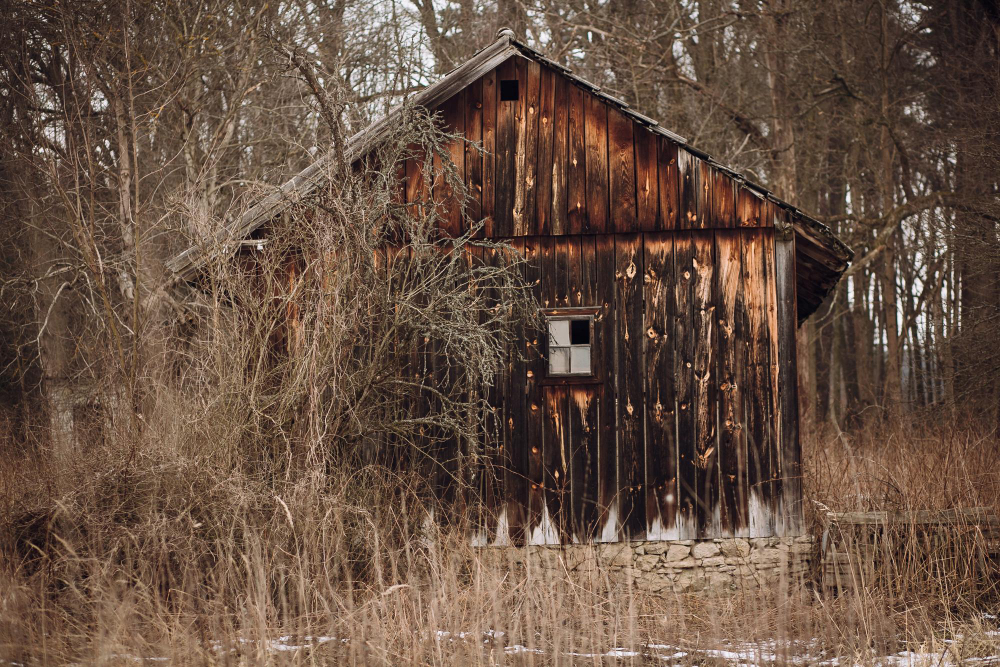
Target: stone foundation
column 679, row 566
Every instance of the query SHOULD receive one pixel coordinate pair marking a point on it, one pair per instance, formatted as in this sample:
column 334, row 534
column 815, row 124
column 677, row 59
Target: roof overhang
column 819, row 253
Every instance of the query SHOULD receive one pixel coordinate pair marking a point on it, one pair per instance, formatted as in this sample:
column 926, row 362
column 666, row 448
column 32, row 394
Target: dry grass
column 926, row 465
column 177, row 555
column 244, row 511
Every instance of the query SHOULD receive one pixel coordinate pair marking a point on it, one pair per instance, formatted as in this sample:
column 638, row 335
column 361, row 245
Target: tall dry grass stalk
column 185, row 558
column 272, row 483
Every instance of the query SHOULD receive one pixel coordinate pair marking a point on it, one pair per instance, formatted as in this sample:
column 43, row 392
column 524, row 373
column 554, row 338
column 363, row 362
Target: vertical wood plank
column 437, row 200
column 473, row 155
column 583, row 404
column 748, row 208
column 423, row 365
column 399, row 195
column 546, row 248
column 597, row 166
column 555, row 527
column 488, row 468
column 757, row 399
column 552, row 515
column 646, row 181
column 705, row 405
column 561, row 276
column 731, row 337
column 525, row 180
column 444, row 443
column 788, row 421
column 576, row 189
column 546, row 137
column 474, row 447
column 586, row 292
column 607, row 527
column 706, row 182
column 723, row 200
column 534, row 371
column 293, row 314
column 480, row 447
column 560, row 156
column 465, row 446
column 506, row 154
column 621, row 157
column 774, row 404
column 416, row 189
column 769, row 212
column 684, row 385
column 661, row 455
column 668, row 179
column 629, row 371
column 469, row 446
column 574, row 271
column 688, row 173
column 453, row 116
column 489, row 150
column 515, row 441
column 397, row 453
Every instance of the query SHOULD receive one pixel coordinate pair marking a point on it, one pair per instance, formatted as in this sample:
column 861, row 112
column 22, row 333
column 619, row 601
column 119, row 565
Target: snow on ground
column 794, row 652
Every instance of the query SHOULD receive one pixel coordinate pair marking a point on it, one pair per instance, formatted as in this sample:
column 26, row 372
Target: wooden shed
column 662, row 403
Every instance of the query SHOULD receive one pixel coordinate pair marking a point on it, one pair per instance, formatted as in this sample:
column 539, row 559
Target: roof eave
column 187, row 263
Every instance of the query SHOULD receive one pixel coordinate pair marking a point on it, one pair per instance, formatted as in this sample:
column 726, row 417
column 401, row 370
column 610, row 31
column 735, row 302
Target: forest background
column 131, row 129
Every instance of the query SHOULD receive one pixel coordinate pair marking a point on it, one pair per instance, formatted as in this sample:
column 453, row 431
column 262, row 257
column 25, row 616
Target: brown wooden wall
column 689, row 428
column 686, row 430
column 560, row 160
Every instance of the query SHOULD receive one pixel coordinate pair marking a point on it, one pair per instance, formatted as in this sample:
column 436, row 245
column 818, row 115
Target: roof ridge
column 505, row 45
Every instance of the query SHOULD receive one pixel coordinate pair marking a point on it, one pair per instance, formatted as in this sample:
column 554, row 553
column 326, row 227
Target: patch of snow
column 657, row 531
column 545, row 532
column 518, row 648
column 503, row 530
column 609, row 533
column 480, row 538
column 760, row 516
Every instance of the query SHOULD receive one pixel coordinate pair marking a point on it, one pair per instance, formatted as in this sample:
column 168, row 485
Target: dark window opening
column 579, row 332
column 508, row 90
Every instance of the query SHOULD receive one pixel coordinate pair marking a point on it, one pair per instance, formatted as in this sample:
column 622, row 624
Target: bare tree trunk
column 782, row 130
column 893, row 387
column 54, row 299
column 785, row 169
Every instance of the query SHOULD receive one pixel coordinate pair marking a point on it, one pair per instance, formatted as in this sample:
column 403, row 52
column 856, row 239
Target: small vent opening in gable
column 508, row 90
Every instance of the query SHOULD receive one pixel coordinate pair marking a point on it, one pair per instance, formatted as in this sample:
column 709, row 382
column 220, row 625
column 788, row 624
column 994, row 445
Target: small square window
column 569, row 345
column 508, row 90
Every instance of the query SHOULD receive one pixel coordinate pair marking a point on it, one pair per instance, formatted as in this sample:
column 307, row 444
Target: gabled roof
column 822, row 245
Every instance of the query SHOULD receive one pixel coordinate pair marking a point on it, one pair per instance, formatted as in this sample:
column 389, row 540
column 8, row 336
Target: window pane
column 580, row 359
column 580, row 332
column 558, row 333
column 558, row 360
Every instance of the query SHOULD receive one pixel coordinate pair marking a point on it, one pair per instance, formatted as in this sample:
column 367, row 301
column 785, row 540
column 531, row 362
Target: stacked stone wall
column 678, row 566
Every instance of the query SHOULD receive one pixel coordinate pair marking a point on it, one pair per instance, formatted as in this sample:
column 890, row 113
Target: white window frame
column 569, row 315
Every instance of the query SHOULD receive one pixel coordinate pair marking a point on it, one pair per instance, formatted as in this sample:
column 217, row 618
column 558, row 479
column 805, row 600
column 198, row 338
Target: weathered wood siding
column 688, row 428
column 561, row 161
